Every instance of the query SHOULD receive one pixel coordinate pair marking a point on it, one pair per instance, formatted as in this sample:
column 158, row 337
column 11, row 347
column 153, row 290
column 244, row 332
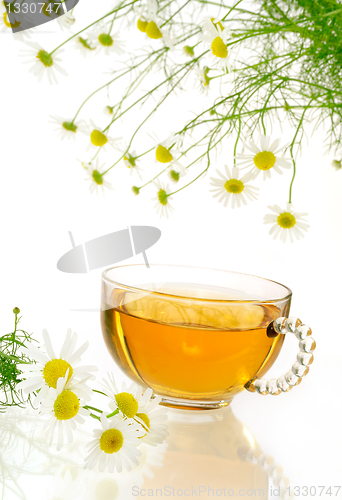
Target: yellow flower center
column 127, row 404
column 145, row 419
column 111, row 441
column 55, row 369
column 264, row 160
column 163, row 155
column 98, row 138
column 142, row 25
column 152, row 31
column 219, row 48
column 66, row 405
column 286, row 220
column 234, row 186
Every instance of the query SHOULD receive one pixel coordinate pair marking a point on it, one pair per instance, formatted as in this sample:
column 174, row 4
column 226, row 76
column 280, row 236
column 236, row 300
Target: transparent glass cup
column 197, row 337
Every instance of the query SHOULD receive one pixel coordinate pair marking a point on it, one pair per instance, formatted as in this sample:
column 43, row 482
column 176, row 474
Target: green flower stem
column 177, row 11
column 90, row 25
column 150, row 92
column 230, row 10
column 115, row 412
column 188, row 66
column 110, row 82
column 164, row 170
column 291, row 151
column 203, row 172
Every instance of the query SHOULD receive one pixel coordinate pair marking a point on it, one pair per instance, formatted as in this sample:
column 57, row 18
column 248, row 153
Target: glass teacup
column 198, row 337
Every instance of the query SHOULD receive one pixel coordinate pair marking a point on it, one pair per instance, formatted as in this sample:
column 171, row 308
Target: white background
column 44, row 195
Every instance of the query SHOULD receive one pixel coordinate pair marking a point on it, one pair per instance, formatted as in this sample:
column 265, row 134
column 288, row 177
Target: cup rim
column 179, row 296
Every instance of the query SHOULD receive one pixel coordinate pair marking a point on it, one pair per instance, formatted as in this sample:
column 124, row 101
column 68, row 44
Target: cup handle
column 305, row 357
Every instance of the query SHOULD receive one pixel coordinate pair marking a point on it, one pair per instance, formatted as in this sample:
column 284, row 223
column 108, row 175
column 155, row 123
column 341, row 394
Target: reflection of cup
column 195, row 336
column 204, row 459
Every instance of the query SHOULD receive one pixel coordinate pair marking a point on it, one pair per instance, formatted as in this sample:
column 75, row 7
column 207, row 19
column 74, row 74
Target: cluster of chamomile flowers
column 59, row 388
column 230, row 187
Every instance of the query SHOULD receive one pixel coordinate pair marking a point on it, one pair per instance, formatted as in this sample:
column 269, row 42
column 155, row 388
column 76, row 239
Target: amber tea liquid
column 188, row 348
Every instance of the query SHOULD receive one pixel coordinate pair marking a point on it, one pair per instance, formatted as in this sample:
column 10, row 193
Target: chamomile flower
column 152, row 418
column 162, row 199
column 166, row 152
column 100, row 138
column 108, row 110
column 64, row 405
column 84, row 46
column 174, row 173
column 149, row 23
column 96, row 176
column 44, row 63
column 123, row 398
column 115, row 446
column 188, row 51
column 216, row 36
column 67, row 129
column 136, row 405
column 107, row 42
column 336, row 164
column 264, row 158
column 49, row 367
column 286, row 223
column 203, row 79
column 66, row 21
column 230, row 188
column 130, row 160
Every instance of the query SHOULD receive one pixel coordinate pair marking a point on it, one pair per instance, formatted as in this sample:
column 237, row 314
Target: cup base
column 189, row 404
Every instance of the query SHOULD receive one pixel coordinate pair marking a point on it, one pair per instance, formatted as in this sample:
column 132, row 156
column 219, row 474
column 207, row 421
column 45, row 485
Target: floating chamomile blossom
column 230, row 188
column 286, row 223
column 64, row 405
column 152, row 418
column 44, row 63
column 162, row 199
column 100, row 139
column 216, row 35
column 49, row 367
column 67, row 129
column 96, row 174
column 264, row 158
column 336, row 164
column 107, row 42
column 84, row 45
column 66, row 21
column 115, row 445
